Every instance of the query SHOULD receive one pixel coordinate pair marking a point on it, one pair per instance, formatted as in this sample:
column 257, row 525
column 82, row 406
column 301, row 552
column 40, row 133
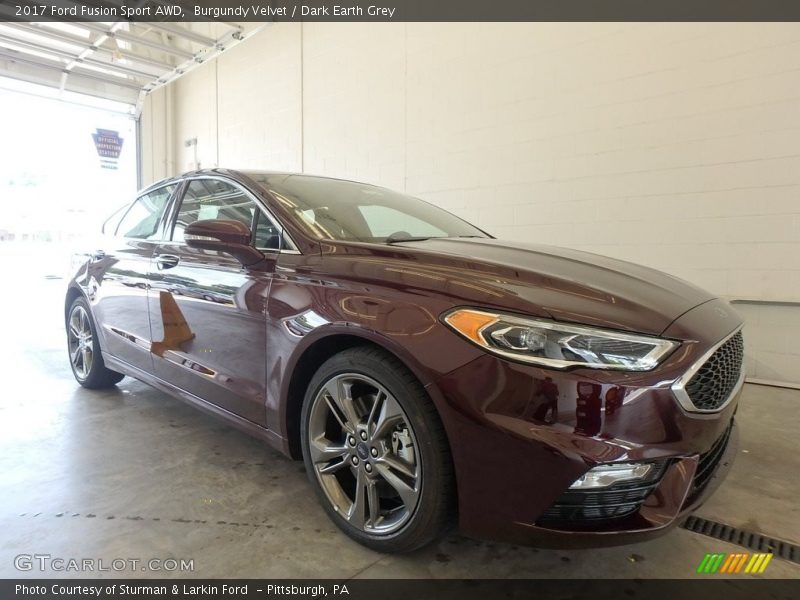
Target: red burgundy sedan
column 423, row 370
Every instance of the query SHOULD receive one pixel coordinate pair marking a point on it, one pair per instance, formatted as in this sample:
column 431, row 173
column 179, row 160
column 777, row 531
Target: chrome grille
column 715, row 381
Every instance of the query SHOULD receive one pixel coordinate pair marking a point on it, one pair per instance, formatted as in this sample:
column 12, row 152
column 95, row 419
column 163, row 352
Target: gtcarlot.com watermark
column 58, row 564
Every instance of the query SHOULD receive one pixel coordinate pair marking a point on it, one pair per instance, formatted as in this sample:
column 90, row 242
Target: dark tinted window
column 268, row 236
column 212, row 199
column 345, row 210
column 141, row 220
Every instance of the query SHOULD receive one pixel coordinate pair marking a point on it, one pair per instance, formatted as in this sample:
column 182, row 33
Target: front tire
column 83, row 347
column 376, row 453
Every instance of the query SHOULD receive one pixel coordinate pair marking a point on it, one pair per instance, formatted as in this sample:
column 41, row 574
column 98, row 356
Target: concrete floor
column 133, row 473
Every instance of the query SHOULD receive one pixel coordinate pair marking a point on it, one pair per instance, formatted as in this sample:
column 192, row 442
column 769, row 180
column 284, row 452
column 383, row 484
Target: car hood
column 568, row 285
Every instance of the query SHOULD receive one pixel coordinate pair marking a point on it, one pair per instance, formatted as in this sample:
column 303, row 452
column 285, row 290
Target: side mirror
column 222, row 235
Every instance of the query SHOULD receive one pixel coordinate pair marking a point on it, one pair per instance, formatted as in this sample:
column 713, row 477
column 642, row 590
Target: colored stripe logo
column 733, row 564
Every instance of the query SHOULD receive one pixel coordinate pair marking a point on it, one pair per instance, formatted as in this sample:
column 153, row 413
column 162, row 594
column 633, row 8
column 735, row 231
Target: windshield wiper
column 397, row 240
column 392, row 239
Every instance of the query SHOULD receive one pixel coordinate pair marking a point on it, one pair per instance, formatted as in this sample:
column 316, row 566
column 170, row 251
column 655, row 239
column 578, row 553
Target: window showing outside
column 141, row 221
column 64, row 169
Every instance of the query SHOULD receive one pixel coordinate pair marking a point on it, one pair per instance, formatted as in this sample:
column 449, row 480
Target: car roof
column 270, row 176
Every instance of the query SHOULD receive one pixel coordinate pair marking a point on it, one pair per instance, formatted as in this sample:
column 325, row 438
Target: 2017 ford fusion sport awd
column 423, row 370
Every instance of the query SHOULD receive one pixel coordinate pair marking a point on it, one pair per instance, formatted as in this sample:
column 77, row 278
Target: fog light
column 606, row 475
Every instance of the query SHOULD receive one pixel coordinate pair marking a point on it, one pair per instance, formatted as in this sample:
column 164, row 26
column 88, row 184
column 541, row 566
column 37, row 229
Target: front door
column 118, row 280
column 207, row 313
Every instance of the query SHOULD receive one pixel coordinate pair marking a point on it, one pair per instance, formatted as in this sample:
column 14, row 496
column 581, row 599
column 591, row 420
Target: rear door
column 207, row 313
column 119, row 278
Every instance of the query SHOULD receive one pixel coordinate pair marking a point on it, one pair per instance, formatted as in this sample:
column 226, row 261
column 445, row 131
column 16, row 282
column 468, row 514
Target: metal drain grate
column 746, row 539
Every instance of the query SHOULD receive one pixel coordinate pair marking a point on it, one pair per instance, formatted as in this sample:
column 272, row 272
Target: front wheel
column 84, row 349
column 376, row 453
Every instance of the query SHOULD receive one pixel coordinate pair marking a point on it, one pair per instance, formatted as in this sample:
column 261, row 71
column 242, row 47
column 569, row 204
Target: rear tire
column 376, row 453
column 83, row 348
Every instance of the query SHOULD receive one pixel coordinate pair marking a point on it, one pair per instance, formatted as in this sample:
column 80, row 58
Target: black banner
column 402, row 589
column 400, row 10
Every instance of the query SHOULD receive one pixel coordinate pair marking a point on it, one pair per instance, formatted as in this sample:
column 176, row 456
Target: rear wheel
column 84, row 349
column 376, row 453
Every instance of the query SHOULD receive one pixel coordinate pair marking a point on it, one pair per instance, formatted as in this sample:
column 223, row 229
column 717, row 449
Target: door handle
column 167, row 261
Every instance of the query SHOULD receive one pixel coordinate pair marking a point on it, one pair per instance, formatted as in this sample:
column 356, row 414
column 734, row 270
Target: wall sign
column 108, row 145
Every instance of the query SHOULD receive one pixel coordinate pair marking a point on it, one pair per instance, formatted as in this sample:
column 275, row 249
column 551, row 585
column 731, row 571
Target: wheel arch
column 73, row 292
column 310, row 358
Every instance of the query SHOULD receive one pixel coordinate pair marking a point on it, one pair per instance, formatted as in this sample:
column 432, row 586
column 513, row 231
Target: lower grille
column 708, row 462
column 576, row 508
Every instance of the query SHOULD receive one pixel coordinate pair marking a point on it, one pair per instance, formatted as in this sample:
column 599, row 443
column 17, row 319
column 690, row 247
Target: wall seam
column 152, row 141
column 169, row 163
column 405, row 107
column 302, row 103
column 216, row 108
column 170, row 132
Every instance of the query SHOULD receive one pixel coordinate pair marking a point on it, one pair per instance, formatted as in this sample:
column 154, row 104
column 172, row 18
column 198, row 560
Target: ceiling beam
column 134, row 39
column 76, row 60
column 159, row 25
column 81, row 91
column 10, row 56
column 86, row 43
column 66, row 38
column 181, row 32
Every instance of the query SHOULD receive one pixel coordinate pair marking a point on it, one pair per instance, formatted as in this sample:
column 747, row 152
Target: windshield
column 345, row 210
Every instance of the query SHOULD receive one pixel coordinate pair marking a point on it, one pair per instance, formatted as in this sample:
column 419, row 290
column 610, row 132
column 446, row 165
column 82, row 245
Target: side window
column 112, row 222
column 268, row 236
column 212, row 199
column 141, row 220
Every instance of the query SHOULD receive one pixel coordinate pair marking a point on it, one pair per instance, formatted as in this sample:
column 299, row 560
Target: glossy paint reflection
column 218, row 314
column 176, row 330
column 248, row 340
column 118, row 284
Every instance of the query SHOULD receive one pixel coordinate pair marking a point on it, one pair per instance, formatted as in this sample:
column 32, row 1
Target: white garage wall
column 155, row 160
column 672, row 145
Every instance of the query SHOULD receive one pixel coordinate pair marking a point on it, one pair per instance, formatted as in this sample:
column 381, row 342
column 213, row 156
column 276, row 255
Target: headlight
column 556, row 345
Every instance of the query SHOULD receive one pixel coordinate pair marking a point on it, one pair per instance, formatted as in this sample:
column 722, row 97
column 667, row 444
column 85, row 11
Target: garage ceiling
column 120, row 61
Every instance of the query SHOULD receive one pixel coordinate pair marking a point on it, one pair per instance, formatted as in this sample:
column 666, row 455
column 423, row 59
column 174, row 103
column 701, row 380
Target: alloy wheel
column 364, row 453
column 80, row 342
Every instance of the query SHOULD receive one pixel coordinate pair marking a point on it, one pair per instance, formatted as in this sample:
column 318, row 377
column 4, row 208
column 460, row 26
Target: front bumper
column 683, row 489
column 521, row 435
